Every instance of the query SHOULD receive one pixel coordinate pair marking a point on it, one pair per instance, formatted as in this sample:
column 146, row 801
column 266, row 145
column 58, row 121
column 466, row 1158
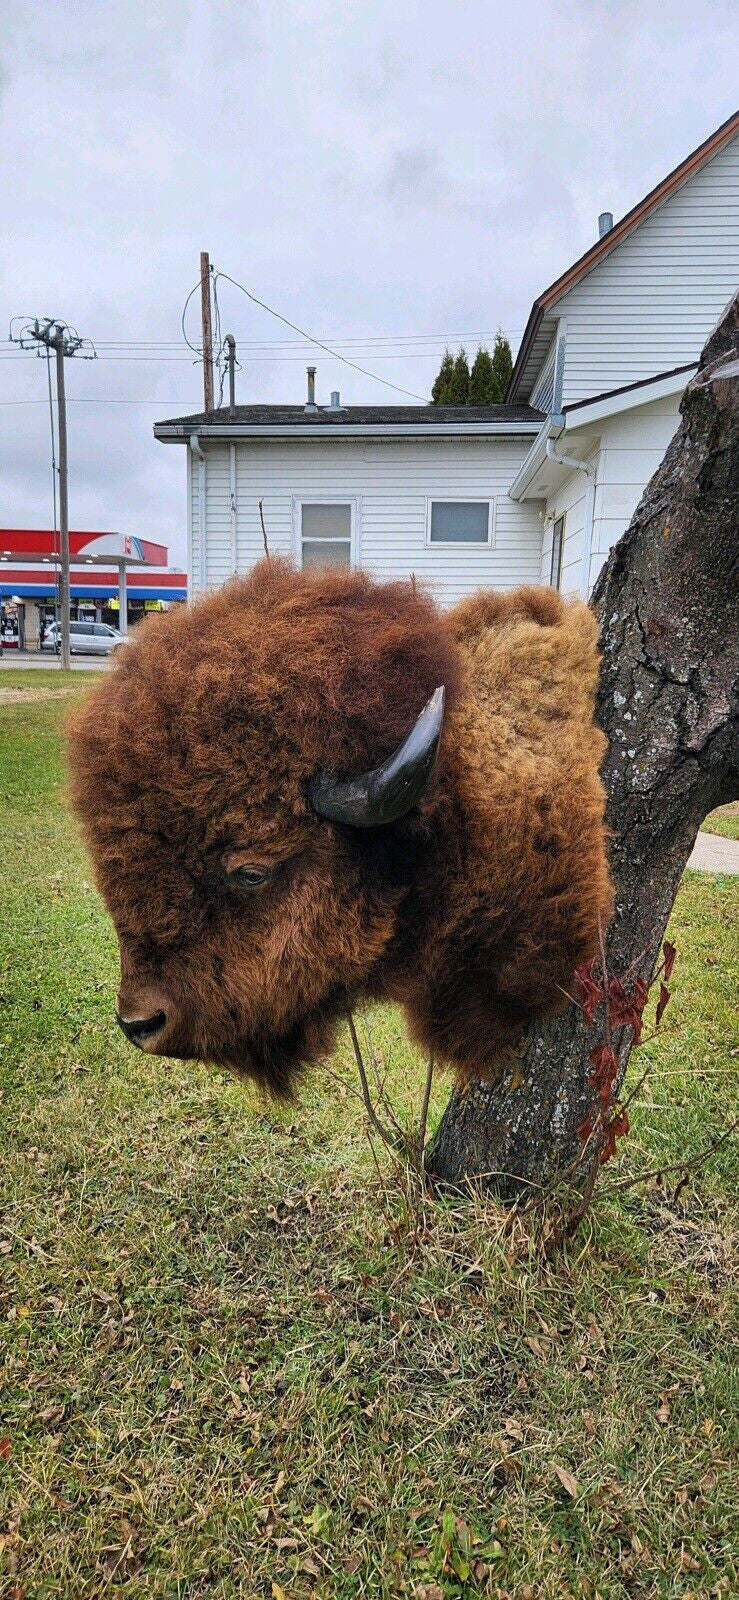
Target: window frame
column 352, row 501
column 555, row 521
column 491, row 501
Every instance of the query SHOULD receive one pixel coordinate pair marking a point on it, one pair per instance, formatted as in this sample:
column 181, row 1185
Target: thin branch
column 380, row 1082
column 264, row 530
column 423, row 1119
column 387, row 1137
column 683, row 1167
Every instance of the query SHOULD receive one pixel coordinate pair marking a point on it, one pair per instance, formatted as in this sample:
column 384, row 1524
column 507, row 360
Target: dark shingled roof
column 361, row 416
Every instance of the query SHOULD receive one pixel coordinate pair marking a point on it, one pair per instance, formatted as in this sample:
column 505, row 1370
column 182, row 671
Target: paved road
column 47, row 658
column 712, row 853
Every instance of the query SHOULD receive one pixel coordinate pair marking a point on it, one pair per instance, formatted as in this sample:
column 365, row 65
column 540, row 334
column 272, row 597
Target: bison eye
column 245, row 873
column 250, row 877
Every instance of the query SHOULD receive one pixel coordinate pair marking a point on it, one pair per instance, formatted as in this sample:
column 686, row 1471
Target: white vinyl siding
column 649, row 306
column 568, row 502
column 390, row 484
column 629, row 449
column 632, row 447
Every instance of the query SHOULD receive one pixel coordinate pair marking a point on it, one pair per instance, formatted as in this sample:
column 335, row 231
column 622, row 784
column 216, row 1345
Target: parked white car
column 85, row 638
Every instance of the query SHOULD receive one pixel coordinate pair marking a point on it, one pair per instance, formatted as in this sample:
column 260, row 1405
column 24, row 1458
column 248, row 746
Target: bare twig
column 683, row 1167
column 384, row 1133
column 264, row 530
column 381, row 1078
column 423, row 1119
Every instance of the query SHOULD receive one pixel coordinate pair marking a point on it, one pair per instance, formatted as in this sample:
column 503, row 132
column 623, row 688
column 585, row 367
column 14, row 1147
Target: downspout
column 197, row 451
column 588, row 512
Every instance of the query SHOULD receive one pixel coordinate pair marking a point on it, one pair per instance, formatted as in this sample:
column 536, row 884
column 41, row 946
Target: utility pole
column 207, row 330
column 61, row 403
column 59, row 337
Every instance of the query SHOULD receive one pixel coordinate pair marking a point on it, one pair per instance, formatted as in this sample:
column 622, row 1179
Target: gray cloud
column 368, row 169
column 415, row 176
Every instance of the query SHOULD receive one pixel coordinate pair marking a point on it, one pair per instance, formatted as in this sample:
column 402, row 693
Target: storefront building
column 114, row 578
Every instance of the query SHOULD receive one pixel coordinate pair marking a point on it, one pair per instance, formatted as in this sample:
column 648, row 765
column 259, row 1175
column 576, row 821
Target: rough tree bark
column 667, row 603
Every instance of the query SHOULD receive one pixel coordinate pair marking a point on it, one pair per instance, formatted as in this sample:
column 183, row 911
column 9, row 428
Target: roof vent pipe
column 311, row 404
column 335, row 400
column 605, row 223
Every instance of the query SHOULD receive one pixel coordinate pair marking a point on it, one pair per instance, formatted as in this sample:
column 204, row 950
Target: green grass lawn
column 724, row 821
column 235, row 1360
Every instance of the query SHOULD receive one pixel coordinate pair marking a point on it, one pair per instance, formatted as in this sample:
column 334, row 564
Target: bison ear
column 387, row 792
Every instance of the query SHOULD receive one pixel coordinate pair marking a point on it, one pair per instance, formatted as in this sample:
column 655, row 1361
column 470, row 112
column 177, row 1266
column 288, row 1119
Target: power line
column 395, row 340
column 190, row 346
column 319, row 343
column 153, row 361
column 100, row 400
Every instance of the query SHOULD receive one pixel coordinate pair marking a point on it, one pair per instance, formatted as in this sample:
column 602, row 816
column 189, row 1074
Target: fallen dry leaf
column 568, row 1480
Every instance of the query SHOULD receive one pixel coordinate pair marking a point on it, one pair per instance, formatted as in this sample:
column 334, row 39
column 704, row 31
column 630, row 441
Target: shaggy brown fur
column 194, row 755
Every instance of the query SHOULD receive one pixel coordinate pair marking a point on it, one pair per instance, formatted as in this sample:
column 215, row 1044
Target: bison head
column 252, row 780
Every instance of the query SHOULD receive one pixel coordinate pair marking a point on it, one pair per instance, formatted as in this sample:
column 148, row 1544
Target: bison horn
column 387, row 792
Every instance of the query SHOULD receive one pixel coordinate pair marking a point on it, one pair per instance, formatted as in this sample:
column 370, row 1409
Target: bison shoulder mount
column 308, row 790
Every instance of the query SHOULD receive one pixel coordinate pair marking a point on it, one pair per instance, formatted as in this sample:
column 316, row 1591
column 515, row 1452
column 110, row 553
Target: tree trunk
column 668, row 702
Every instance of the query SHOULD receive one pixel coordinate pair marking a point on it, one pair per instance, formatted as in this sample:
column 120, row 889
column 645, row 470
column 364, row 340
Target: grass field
column 724, row 821
column 237, row 1362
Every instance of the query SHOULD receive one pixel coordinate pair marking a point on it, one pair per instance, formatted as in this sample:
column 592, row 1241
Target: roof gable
column 541, row 318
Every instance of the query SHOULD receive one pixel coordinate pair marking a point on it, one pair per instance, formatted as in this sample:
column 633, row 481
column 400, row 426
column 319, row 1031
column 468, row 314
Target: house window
column 326, row 534
column 460, row 521
column 557, row 540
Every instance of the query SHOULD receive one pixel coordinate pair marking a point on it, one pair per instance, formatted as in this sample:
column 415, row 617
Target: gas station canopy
column 107, row 571
column 40, row 544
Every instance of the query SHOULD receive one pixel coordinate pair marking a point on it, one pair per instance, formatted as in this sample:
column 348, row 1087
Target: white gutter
column 589, row 508
column 197, row 451
column 345, row 430
column 536, row 456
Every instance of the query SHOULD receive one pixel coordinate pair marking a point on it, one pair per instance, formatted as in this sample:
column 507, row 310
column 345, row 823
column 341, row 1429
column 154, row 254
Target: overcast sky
column 374, row 169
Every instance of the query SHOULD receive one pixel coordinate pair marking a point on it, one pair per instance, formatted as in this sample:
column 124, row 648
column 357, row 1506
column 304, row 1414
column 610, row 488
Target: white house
column 465, row 497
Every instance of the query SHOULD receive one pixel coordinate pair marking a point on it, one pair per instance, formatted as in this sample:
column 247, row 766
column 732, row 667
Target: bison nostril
column 140, row 1029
